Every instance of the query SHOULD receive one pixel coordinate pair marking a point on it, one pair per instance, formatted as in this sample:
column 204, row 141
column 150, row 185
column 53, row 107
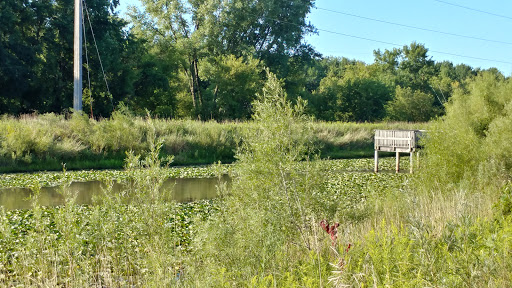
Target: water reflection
column 184, row 190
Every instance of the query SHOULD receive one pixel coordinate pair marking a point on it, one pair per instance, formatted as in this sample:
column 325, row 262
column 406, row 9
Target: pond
column 184, row 190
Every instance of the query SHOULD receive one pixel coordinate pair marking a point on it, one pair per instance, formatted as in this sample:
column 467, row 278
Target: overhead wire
column 442, row 92
column 87, row 60
column 474, row 9
column 414, row 27
column 395, row 44
column 391, row 43
column 98, row 52
column 435, row 93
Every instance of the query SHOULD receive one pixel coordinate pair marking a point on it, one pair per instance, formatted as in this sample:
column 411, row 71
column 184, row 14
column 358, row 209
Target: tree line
column 206, row 59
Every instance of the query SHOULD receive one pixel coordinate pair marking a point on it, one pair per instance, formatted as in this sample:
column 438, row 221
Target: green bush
column 470, row 253
column 45, row 142
column 411, row 105
column 472, row 142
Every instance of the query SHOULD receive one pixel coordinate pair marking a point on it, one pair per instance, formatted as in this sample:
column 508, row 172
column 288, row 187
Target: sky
column 472, row 32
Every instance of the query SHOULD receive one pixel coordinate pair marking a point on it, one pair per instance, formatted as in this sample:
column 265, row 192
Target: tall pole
column 77, row 63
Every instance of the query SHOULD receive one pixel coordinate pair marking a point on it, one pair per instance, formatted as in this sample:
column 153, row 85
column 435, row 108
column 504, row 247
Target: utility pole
column 77, row 63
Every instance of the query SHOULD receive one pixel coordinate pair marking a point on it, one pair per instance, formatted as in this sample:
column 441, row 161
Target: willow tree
column 197, row 30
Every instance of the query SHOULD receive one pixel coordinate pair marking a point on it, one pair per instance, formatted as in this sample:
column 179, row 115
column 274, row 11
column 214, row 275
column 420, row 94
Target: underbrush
column 388, row 235
column 453, row 226
column 283, row 226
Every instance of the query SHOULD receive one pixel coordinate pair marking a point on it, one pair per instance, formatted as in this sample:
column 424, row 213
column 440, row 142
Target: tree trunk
column 190, row 74
column 197, row 81
column 191, row 86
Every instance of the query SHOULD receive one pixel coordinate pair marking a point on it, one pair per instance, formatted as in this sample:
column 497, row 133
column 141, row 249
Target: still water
column 184, row 190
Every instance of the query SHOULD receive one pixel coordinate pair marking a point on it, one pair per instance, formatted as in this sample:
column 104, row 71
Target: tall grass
column 268, row 220
column 441, row 228
column 448, row 226
column 46, row 142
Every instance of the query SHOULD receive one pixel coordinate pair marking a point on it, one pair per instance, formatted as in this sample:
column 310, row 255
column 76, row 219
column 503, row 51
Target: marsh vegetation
column 48, row 142
column 289, row 218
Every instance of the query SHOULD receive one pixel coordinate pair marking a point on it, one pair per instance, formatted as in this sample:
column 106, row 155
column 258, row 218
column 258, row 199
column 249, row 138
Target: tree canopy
column 205, row 59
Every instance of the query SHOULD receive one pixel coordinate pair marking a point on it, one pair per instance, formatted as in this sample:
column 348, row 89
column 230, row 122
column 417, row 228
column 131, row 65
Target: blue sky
column 341, row 29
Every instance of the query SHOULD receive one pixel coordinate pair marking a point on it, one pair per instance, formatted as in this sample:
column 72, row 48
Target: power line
column 473, row 9
column 395, row 44
column 414, row 27
column 388, row 43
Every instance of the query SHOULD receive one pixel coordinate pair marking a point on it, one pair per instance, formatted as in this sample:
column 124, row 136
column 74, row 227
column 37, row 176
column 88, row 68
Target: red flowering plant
column 332, row 230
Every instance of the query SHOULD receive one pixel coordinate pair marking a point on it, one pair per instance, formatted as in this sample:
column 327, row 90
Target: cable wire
column 98, row 52
column 395, row 44
column 415, row 27
column 391, row 43
column 473, row 9
column 87, row 60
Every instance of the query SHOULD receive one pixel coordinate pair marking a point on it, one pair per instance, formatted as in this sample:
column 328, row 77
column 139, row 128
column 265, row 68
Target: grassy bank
column 48, row 142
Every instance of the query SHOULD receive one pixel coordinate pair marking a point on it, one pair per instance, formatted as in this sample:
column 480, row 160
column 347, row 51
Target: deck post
column 418, row 159
column 411, row 157
column 376, row 161
column 397, row 162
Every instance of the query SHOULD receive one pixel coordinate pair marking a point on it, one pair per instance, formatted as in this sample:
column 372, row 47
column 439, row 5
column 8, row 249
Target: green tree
column 269, row 214
column 233, row 85
column 448, row 78
column 350, row 92
column 198, row 30
column 388, row 60
column 36, row 55
column 416, row 67
column 18, row 54
column 472, row 141
column 409, row 66
column 304, row 71
column 152, row 88
column 362, row 99
column 410, row 105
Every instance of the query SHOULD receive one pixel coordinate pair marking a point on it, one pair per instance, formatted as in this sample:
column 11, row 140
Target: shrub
column 269, row 216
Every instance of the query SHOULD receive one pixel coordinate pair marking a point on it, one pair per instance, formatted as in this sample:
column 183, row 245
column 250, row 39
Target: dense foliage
column 453, row 229
column 470, row 146
column 205, row 59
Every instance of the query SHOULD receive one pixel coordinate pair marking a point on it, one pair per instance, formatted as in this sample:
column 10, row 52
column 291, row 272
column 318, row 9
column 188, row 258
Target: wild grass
column 47, row 142
column 452, row 226
column 393, row 230
column 398, row 236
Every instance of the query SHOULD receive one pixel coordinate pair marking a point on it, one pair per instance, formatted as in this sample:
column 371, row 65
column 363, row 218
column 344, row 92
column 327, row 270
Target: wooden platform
column 399, row 141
